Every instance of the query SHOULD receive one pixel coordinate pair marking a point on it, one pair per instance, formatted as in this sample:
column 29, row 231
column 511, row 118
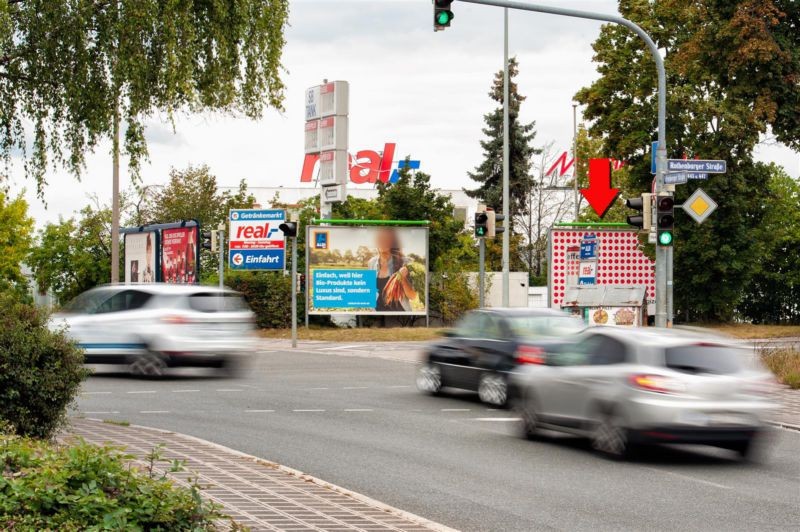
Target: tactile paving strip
column 256, row 494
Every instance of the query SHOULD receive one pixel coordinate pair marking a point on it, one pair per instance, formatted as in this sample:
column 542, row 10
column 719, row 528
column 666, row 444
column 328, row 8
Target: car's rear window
column 217, row 302
column 714, row 359
column 539, row 326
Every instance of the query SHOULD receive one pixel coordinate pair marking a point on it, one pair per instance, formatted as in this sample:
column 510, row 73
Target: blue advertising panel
column 255, row 240
column 589, row 247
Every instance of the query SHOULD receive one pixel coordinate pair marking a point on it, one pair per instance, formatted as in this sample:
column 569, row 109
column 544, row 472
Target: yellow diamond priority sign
column 699, row 205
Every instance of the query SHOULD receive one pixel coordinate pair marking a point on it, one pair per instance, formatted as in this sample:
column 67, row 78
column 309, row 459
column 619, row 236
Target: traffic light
column 642, row 204
column 301, row 283
column 494, row 228
column 210, row 240
column 442, row 14
column 289, row 229
column 665, row 212
column 481, row 224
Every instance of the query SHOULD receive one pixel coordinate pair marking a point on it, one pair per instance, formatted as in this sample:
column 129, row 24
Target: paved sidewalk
column 256, row 493
column 397, row 351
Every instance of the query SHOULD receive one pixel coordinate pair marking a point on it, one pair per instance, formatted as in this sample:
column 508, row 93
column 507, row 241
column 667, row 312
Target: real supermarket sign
column 367, row 166
column 256, row 242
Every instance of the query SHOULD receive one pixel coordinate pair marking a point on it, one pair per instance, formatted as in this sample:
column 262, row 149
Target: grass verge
column 364, row 334
column 785, row 364
column 748, row 331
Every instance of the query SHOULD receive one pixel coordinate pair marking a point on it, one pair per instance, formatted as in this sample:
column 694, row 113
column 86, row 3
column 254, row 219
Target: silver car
column 151, row 327
column 626, row 387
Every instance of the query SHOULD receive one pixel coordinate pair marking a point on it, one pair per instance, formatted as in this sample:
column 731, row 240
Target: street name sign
column 676, row 178
column 255, row 239
column 697, row 166
column 699, row 205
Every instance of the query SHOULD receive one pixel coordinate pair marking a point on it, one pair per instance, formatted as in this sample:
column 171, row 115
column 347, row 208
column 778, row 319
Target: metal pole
column 670, row 300
column 221, row 266
column 481, row 271
column 662, row 257
column 575, row 159
column 506, row 163
column 294, row 291
column 115, row 198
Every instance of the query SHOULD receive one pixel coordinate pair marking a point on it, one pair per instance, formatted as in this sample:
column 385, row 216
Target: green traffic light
column 665, row 238
column 480, row 231
column 444, row 17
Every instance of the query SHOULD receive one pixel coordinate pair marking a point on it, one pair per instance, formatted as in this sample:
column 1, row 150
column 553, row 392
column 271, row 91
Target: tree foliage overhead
column 65, row 66
column 489, row 174
column 733, row 69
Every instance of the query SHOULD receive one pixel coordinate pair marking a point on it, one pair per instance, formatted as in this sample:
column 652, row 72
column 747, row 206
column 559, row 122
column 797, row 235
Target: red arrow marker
column 600, row 195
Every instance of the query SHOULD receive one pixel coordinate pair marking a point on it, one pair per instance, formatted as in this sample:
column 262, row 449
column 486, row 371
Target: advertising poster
column 367, row 270
column 179, row 255
column 618, row 261
column 615, row 316
column 140, row 257
column 256, row 241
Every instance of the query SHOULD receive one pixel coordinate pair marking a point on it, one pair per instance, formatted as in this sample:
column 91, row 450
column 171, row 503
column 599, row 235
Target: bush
column 785, row 364
column 49, row 487
column 40, row 370
column 269, row 296
column 451, row 296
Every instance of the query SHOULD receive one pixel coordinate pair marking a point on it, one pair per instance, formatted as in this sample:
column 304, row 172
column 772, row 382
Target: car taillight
column 527, row 354
column 656, row 383
column 176, row 320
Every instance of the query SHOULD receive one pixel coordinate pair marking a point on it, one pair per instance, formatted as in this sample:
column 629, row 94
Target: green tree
column 73, row 255
column 773, row 296
column 732, row 69
column 192, row 194
column 489, row 174
column 16, row 236
column 70, row 71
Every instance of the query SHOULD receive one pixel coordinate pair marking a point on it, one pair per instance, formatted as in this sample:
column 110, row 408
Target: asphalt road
column 359, row 422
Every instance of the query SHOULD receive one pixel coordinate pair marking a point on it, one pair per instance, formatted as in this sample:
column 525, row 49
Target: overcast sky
column 425, row 91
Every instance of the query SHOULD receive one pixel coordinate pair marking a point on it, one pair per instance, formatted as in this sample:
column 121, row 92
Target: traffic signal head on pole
column 442, row 15
column 289, row 229
column 481, row 224
column 209, row 240
column 665, row 219
column 495, row 224
column 642, row 204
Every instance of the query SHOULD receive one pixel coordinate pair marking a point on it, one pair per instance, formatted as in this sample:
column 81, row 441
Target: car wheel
column 493, row 389
column 429, row 378
column 148, row 365
column 743, row 448
column 529, row 419
column 610, row 438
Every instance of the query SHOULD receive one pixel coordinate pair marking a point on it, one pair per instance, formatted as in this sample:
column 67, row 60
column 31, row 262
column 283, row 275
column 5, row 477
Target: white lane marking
column 96, row 393
column 401, row 386
column 320, row 388
column 359, row 410
column 455, row 409
column 308, row 410
column 229, row 390
column 257, row 411
column 339, row 348
column 496, row 419
column 687, row 477
column 355, row 387
column 142, row 391
column 154, row 411
column 185, row 391
column 106, row 412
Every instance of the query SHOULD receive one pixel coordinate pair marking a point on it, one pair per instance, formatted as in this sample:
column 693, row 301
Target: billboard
column 140, row 257
column 367, row 270
column 618, row 260
column 179, row 250
column 255, row 241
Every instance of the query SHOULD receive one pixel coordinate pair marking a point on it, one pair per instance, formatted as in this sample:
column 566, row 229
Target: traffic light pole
column 294, row 291
column 481, row 271
column 221, row 264
column 663, row 256
column 506, row 163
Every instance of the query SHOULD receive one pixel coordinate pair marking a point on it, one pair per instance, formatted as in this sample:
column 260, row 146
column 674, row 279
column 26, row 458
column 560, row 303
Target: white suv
column 151, row 327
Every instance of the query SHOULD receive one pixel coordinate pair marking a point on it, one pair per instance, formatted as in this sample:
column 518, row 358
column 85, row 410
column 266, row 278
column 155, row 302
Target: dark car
column 486, row 345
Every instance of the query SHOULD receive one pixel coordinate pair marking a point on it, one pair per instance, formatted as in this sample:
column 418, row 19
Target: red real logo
column 368, row 166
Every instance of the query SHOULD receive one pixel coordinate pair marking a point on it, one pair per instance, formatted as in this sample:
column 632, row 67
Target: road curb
column 437, row 527
column 787, row 426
